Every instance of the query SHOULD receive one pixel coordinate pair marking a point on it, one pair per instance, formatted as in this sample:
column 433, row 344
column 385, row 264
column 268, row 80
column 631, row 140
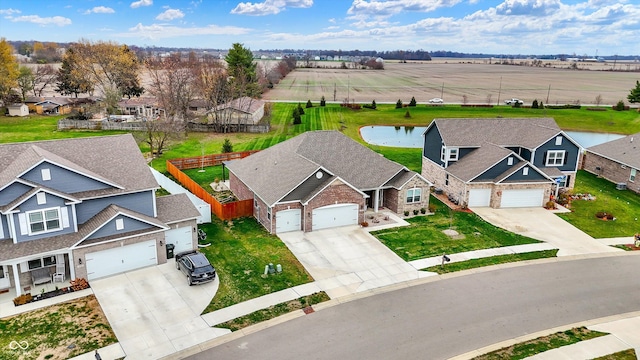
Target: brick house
column 323, row 179
column 499, row 162
column 617, row 161
column 84, row 208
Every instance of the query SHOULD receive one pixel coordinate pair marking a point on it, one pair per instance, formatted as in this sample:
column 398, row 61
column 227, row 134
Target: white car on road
column 436, row 101
column 514, row 101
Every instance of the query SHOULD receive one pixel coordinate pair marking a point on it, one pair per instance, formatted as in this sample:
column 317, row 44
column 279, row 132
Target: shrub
column 406, row 213
column 432, row 208
column 309, row 104
column 322, row 101
column 399, row 104
column 413, row 101
column 423, row 210
column 619, row 106
column 364, row 224
column 415, row 211
column 407, row 114
column 534, row 104
column 22, row 299
column 550, row 205
column 540, row 105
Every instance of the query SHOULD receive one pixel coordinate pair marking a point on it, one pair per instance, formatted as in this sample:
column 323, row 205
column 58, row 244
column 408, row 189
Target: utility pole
column 499, row 90
column 548, row 91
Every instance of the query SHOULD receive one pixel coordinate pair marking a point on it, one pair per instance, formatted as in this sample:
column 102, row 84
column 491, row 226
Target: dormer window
column 453, row 154
column 510, row 161
column 449, row 154
column 46, row 174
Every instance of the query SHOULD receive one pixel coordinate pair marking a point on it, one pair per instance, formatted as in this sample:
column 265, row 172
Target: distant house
column 244, row 110
column 50, row 105
column 18, row 110
column 323, row 179
column 617, row 161
column 142, row 107
column 499, row 162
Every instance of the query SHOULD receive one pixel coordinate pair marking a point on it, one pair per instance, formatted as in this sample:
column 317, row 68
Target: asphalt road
column 441, row 319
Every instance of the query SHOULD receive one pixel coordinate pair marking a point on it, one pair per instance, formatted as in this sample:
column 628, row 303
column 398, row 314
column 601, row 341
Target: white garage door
column 335, row 215
column 479, row 197
column 123, row 258
column 522, row 198
column 288, row 220
column 181, row 238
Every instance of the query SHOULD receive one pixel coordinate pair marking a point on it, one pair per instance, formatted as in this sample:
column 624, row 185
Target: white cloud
column 137, row 4
column 158, row 31
column 269, row 7
column 170, row 14
column 9, row 11
column 392, row 7
column 100, row 10
column 528, row 7
column 35, row 19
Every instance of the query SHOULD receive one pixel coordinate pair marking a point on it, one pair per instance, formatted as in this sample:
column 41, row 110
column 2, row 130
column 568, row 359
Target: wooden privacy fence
column 226, row 211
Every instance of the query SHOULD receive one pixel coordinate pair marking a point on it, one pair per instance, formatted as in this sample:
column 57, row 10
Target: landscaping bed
column 59, row 331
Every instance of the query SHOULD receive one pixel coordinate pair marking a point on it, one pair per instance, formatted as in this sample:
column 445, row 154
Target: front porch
column 7, row 308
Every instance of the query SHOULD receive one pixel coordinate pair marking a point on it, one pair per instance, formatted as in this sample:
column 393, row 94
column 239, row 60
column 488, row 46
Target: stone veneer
column 611, row 170
column 396, row 200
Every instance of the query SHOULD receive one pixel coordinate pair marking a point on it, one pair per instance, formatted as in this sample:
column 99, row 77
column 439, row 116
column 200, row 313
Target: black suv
column 196, row 266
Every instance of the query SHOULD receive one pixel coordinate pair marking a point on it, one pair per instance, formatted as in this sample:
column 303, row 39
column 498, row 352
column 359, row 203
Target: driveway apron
column 347, row 260
column 544, row 225
column 153, row 311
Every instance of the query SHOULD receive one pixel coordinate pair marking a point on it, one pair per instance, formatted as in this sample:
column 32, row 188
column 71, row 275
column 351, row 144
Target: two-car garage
column 512, row 198
column 121, row 259
column 322, row 217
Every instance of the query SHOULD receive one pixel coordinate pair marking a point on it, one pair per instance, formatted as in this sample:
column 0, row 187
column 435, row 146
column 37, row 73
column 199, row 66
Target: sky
column 515, row 27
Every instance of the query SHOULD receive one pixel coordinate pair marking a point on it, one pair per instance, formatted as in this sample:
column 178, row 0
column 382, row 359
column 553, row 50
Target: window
column 443, row 152
column 44, row 220
column 632, row 176
column 446, row 180
column 558, row 140
column 453, row 154
column 525, row 171
column 49, row 260
column 413, row 195
column 269, row 213
column 510, row 161
column 34, row 264
column 119, row 224
column 255, row 202
column 555, row 158
column 46, row 174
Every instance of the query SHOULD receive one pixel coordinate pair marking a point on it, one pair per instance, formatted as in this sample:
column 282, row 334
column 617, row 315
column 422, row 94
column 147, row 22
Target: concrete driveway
column 544, row 225
column 153, row 311
column 347, row 260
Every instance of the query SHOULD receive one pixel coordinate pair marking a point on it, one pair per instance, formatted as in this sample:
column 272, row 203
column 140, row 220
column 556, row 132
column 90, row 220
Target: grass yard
column 40, row 127
column 59, row 331
column 541, row 344
column 424, row 237
column 239, row 252
column 623, row 204
column 629, row 354
column 493, row 260
column 274, row 311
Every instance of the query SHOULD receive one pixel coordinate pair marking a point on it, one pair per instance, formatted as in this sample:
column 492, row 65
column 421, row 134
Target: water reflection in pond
column 411, row 136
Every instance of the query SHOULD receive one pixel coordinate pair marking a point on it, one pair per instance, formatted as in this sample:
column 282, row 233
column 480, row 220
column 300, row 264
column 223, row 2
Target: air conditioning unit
column 621, row 186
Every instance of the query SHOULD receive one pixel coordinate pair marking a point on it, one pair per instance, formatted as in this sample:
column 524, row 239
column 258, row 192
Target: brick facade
column 238, row 188
column 336, row 193
column 611, row 170
column 396, row 200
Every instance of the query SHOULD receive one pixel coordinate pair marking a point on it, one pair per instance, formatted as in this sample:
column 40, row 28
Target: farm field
column 481, row 82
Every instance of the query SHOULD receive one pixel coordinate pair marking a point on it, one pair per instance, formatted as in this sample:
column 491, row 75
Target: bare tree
column 598, row 100
column 44, row 76
column 173, row 84
column 489, row 96
column 159, row 133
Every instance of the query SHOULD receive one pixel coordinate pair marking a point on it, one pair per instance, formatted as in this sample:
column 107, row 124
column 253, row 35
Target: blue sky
column 581, row 27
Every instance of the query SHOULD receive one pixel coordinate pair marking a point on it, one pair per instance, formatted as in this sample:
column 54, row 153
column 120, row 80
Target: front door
column 5, row 283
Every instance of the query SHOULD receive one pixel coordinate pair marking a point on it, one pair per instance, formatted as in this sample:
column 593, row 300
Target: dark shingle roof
column 478, row 161
column 625, row 150
column 174, row 208
column 273, row 172
column 115, row 160
column 525, row 132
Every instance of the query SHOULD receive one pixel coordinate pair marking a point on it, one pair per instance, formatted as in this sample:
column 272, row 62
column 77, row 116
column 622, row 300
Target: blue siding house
column 84, row 208
column 499, row 163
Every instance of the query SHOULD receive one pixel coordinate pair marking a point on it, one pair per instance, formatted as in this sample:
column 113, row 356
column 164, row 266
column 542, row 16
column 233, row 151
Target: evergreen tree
column 322, row 101
column 534, row 105
column 634, row 94
column 227, row 147
column 296, row 116
column 300, row 109
column 399, row 104
column 373, row 104
column 413, row 101
column 620, row 105
column 309, row 104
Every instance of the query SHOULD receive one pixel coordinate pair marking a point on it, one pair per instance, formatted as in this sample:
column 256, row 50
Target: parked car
column 514, row 101
column 195, row 266
column 436, row 101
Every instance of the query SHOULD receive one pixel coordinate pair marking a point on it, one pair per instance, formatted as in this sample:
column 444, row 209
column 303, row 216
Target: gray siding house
column 499, row 162
column 323, row 179
column 84, row 208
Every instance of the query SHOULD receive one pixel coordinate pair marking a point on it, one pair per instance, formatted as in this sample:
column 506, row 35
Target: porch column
column 16, row 279
column 376, row 200
column 72, row 267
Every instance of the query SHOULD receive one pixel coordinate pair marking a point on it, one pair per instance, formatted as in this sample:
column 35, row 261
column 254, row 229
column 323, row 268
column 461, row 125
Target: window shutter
column 565, row 158
column 22, row 218
column 544, row 159
column 64, row 214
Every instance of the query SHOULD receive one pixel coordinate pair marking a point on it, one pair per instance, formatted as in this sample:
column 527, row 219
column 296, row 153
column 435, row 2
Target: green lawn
column 623, row 204
column 424, row 237
column 239, row 253
column 492, row 260
column 39, row 127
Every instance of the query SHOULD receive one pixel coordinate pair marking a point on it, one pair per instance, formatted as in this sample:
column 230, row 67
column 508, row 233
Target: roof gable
column 625, row 150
